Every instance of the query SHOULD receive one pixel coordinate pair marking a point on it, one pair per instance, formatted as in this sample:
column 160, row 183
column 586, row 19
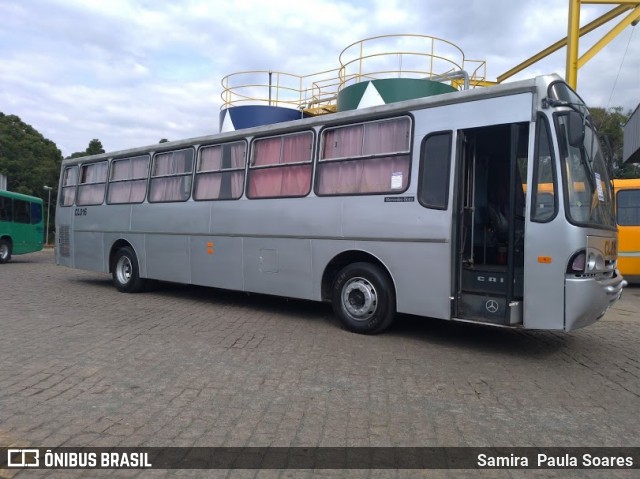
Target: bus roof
column 626, row 183
column 20, row 196
column 530, row 85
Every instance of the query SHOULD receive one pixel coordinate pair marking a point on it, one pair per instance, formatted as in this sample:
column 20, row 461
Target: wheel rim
column 359, row 299
column 4, row 251
column 124, row 270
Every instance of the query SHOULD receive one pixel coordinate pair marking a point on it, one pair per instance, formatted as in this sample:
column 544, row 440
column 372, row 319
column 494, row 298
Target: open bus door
column 489, row 239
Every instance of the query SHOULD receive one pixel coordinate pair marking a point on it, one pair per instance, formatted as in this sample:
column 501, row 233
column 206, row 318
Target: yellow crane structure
column 574, row 32
column 411, row 56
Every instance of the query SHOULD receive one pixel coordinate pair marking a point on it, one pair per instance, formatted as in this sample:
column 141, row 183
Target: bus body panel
column 285, row 246
column 629, row 230
column 216, row 261
column 167, row 257
column 23, row 229
column 544, row 299
column 89, row 251
column 589, row 299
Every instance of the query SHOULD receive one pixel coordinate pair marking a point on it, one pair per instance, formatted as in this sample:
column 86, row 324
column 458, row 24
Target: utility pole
column 48, row 188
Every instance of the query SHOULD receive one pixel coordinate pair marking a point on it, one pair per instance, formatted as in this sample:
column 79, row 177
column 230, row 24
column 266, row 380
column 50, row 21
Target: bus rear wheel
column 363, row 298
column 125, row 271
column 5, row 251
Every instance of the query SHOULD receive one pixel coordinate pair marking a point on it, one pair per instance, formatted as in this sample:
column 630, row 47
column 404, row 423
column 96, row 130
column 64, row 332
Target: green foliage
column 95, row 148
column 27, row 159
column 610, row 125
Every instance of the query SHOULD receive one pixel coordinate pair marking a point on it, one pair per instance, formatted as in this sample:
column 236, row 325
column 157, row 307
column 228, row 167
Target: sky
column 130, row 72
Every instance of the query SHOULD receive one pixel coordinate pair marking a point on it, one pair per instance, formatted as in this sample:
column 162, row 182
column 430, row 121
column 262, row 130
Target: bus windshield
column 586, row 181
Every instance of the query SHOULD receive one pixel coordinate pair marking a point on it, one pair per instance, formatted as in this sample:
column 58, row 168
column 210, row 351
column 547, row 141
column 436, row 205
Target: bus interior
column 489, row 246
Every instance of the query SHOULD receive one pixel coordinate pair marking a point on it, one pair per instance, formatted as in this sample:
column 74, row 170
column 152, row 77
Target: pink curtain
column 139, row 167
column 128, row 182
column 297, row 148
column 238, row 155
column 342, row 142
column 68, row 195
column 94, row 173
column 70, row 176
column 217, row 164
column 374, row 175
column 210, row 159
column 174, row 162
column 267, row 151
column 389, row 136
column 93, row 179
column 127, row 191
column 292, row 180
column 69, row 182
column 120, row 170
column 207, row 186
column 284, row 179
column 237, row 183
column 170, row 188
column 92, row 194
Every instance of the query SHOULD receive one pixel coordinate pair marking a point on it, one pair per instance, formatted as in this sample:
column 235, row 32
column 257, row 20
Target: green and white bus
column 21, row 224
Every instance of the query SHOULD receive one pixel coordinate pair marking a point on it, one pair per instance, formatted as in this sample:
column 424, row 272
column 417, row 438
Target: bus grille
column 63, row 241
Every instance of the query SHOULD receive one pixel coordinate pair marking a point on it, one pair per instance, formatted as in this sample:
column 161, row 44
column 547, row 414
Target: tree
column 610, row 125
column 27, row 159
column 95, row 148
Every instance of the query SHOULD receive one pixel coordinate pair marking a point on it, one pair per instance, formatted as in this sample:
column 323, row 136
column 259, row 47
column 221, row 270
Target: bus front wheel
column 125, row 271
column 5, row 251
column 363, row 298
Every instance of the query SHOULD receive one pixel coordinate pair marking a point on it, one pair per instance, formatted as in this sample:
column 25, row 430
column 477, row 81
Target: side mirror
column 575, row 126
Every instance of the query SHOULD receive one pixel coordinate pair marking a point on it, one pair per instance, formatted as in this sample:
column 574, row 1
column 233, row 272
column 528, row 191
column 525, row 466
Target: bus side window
column 628, row 205
column 22, row 211
column 6, row 210
column 435, row 161
column 281, row 166
column 171, row 176
column 543, row 201
column 128, row 180
column 36, row 213
column 93, row 180
column 69, row 182
column 365, row 158
column 220, row 172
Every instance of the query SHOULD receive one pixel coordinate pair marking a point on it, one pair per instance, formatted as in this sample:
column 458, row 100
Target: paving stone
column 84, row 365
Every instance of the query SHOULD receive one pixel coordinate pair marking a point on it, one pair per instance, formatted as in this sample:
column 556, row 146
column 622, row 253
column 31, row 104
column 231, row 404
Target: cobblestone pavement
column 84, row 365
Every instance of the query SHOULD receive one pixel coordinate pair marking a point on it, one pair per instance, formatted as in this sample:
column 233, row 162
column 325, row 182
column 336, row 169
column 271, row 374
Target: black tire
column 363, row 298
column 125, row 271
column 5, row 251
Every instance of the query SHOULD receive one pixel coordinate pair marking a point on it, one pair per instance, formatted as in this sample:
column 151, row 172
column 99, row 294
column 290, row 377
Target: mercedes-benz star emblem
column 492, row 306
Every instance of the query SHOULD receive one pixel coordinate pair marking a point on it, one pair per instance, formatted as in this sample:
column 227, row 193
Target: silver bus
column 489, row 206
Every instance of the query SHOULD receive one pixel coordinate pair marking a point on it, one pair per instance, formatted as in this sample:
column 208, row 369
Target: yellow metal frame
column 574, row 32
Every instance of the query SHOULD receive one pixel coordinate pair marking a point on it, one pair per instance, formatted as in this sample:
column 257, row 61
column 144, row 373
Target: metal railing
column 405, row 56
column 385, row 56
column 273, row 88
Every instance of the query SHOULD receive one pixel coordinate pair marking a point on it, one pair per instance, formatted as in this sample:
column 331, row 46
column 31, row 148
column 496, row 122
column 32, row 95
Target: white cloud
column 130, row 72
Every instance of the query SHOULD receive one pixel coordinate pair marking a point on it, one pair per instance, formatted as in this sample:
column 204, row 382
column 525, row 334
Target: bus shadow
column 430, row 331
column 483, row 338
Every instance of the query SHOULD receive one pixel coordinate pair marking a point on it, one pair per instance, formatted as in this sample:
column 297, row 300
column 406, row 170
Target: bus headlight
column 577, row 262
